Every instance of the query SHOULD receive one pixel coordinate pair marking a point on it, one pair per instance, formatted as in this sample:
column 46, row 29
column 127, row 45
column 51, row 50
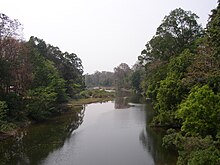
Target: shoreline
column 85, row 101
column 71, row 104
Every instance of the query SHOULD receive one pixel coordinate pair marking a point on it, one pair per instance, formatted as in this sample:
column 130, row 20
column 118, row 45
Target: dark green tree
column 68, row 65
column 177, row 32
column 213, row 29
column 122, row 76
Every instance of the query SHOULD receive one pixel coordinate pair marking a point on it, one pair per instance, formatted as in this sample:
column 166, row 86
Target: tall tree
column 13, row 56
column 213, row 29
column 121, row 74
column 177, row 32
column 69, row 65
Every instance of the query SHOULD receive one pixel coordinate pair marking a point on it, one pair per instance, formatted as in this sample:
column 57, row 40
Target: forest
column 123, row 77
column 182, row 77
column 35, row 77
column 179, row 71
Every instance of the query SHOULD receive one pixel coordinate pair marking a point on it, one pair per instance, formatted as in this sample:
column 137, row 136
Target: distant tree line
column 99, row 79
column 182, row 77
column 35, row 77
column 123, row 77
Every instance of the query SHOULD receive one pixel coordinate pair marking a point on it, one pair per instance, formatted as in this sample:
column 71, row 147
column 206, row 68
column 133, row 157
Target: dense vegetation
column 35, row 77
column 123, row 77
column 99, row 79
column 180, row 72
column 182, row 77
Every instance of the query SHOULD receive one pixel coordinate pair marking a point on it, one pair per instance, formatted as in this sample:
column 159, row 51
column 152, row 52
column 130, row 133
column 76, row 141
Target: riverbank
column 84, row 101
column 62, row 138
column 87, row 97
column 92, row 96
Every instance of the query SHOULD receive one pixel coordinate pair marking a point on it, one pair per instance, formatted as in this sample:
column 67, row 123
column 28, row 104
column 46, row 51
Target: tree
column 213, row 29
column 177, row 32
column 200, row 112
column 137, row 76
column 121, row 74
column 68, row 65
column 193, row 150
column 172, row 90
column 100, row 79
column 3, row 111
column 136, row 79
column 14, row 73
column 182, row 77
column 9, row 28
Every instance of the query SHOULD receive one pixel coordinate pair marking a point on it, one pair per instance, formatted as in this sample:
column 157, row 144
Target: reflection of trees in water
column 152, row 142
column 122, row 98
column 35, row 143
column 121, row 103
column 74, row 124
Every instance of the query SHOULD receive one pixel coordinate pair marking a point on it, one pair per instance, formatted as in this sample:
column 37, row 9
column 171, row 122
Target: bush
column 41, row 103
column 200, row 112
column 193, row 150
column 96, row 93
column 3, row 111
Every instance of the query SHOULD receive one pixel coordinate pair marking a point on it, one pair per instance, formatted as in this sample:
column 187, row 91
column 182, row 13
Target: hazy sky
column 103, row 33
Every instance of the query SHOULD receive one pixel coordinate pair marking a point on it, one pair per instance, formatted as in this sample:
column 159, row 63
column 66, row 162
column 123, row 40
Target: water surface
column 99, row 134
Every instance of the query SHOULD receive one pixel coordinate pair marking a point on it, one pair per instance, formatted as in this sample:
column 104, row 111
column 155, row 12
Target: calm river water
column 110, row 133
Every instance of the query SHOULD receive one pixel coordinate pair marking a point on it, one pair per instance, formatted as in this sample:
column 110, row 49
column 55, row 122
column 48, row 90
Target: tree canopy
column 182, row 77
column 35, row 77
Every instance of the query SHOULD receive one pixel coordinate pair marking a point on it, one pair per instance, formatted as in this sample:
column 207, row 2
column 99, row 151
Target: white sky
column 103, row 33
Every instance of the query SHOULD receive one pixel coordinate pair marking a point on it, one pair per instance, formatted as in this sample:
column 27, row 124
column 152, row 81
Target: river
column 110, row 133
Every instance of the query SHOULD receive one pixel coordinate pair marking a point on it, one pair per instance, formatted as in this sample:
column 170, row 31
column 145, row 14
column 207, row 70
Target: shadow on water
column 123, row 98
column 151, row 139
column 32, row 145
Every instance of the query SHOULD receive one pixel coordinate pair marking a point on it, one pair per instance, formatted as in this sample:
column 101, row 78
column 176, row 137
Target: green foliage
column 47, row 76
column 34, row 76
column 69, row 66
column 193, row 150
column 15, row 104
column 48, row 88
column 182, row 76
column 4, row 74
column 5, row 125
column 210, row 155
column 3, row 111
column 136, row 79
column 8, row 127
column 168, row 96
column 99, row 79
column 203, row 70
column 41, row 102
column 153, row 78
column 200, row 112
column 96, row 93
column 213, row 29
column 182, row 25
column 122, row 76
column 177, row 32
column 171, row 90
column 178, row 65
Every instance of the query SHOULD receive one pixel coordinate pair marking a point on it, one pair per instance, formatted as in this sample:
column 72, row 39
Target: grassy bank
column 84, row 101
column 92, row 96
